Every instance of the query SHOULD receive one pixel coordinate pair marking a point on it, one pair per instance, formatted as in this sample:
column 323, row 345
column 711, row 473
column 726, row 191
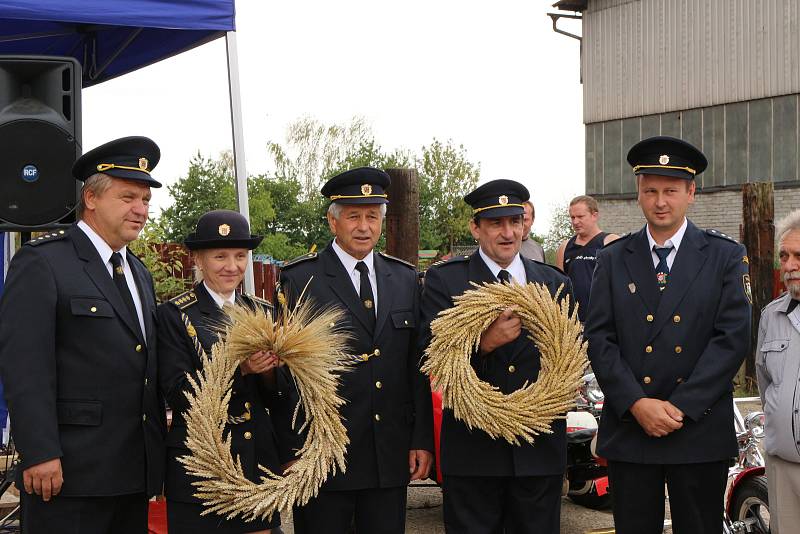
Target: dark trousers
column 502, row 505
column 186, row 518
column 374, row 511
column 696, row 495
column 122, row 514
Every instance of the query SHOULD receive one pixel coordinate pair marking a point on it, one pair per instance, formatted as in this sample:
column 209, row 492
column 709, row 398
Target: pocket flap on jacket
column 403, row 319
column 80, row 412
column 774, row 345
column 90, row 307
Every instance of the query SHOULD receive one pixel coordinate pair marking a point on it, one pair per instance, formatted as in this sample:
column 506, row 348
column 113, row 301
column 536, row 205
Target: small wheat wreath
column 314, row 351
column 530, row 410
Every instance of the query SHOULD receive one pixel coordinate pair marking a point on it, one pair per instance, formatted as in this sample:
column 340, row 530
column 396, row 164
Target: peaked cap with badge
column 130, row 158
column 498, row 198
column 362, row 185
column 222, row 229
column 667, row 156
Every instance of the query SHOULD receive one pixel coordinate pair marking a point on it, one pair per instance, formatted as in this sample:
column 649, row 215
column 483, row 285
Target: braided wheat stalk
column 530, row 410
column 314, row 351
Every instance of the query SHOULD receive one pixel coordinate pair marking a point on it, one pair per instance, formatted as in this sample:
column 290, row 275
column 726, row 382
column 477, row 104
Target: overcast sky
column 492, row 76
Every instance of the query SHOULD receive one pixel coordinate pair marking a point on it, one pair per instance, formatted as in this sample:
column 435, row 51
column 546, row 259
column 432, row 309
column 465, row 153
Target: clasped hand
column 657, row 417
column 260, row 362
column 505, row 329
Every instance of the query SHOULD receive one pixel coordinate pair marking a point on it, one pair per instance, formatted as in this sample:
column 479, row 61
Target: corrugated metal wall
column 642, row 57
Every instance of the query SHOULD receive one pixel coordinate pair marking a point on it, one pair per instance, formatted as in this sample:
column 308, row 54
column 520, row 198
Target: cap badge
column 663, row 159
column 143, row 163
column 224, row 230
column 503, row 200
column 366, row 189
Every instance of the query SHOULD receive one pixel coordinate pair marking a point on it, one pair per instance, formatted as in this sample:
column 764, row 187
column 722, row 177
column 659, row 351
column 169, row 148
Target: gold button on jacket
column 647, row 380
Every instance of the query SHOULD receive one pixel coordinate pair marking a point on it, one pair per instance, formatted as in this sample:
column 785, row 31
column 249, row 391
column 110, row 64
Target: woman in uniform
column 189, row 323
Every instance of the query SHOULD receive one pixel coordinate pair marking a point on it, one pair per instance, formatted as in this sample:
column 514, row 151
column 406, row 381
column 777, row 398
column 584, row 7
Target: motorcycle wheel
column 751, row 504
column 592, row 500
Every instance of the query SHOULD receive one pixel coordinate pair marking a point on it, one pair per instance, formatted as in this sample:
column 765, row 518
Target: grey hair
column 335, row 209
column 98, row 184
column 787, row 224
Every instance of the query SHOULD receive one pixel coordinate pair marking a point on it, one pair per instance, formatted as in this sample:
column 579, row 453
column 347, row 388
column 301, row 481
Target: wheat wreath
column 530, row 410
column 314, row 351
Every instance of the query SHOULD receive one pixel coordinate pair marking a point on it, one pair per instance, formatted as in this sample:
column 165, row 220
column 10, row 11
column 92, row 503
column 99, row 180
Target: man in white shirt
column 668, row 327
column 78, row 356
column 488, row 484
column 388, row 413
column 777, row 363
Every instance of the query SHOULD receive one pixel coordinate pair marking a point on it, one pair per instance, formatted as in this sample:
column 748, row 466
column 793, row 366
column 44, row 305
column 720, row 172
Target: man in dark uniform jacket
column 491, row 486
column 388, row 413
column 668, row 327
column 78, row 357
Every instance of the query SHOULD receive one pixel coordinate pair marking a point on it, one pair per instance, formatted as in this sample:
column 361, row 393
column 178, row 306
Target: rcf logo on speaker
column 30, row 173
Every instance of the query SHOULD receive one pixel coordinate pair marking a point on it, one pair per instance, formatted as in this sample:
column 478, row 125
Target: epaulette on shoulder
column 184, row 300
column 537, row 262
column 300, row 259
column 455, row 259
column 398, row 260
column 620, row 239
column 717, row 233
column 47, row 238
column 259, row 300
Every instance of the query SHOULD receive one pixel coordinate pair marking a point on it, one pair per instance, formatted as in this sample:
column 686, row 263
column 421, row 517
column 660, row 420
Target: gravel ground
column 425, row 509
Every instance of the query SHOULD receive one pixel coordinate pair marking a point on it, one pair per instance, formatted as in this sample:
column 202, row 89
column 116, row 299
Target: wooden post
column 758, row 235
column 402, row 215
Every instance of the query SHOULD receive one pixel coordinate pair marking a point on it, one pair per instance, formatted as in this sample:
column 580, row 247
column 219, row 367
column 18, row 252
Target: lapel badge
column 119, row 270
column 368, row 304
column 503, row 200
column 663, row 159
column 143, row 163
column 632, row 287
column 191, row 331
column 366, row 189
column 224, row 230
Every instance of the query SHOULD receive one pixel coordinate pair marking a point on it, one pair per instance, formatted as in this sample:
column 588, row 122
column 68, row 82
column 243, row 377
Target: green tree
column 163, row 261
column 313, row 150
column 446, row 175
column 209, row 185
column 560, row 229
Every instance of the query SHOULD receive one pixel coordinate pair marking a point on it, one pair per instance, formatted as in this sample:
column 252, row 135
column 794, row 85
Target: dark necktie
column 504, row 276
column 365, row 292
column 662, row 269
column 118, row 273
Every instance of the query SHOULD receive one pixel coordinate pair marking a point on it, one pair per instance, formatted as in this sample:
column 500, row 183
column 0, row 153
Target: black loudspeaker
column 40, row 139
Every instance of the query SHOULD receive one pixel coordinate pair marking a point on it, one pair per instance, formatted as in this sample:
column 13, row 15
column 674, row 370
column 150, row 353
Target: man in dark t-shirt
column 577, row 255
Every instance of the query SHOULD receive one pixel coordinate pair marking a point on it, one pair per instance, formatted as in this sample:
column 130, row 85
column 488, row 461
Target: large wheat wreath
column 314, row 351
column 530, row 410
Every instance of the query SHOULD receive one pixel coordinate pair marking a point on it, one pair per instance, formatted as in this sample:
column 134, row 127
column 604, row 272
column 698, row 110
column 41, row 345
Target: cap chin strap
column 687, row 169
column 102, row 167
column 478, row 210
column 337, row 197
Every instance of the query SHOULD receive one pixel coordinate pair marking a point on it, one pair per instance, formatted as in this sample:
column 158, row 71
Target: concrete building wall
column 644, row 57
column 721, row 210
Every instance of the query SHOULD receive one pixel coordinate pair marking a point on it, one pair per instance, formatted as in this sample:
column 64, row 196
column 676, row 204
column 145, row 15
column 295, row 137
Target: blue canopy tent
column 111, row 38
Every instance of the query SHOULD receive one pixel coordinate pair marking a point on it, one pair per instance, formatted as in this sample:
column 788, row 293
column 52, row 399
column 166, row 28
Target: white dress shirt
column 105, row 253
column 516, row 268
column 219, row 299
column 674, row 241
column 350, row 262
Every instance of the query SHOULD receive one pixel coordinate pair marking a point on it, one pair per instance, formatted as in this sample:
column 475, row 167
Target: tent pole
column 238, row 146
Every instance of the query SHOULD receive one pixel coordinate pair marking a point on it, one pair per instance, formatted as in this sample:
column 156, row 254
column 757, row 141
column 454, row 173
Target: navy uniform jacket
column 466, row 452
column 253, row 439
column 79, row 379
column 683, row 345
column 388, row 400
